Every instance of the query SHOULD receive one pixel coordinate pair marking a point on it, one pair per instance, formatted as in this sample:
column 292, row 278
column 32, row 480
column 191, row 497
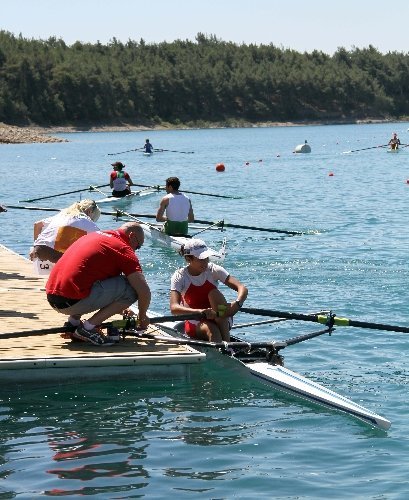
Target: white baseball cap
column 197, row 248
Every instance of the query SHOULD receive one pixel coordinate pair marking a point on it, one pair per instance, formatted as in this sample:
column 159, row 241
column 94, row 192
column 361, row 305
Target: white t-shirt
column 178, row 207
column 61, row 230
column 194, row 288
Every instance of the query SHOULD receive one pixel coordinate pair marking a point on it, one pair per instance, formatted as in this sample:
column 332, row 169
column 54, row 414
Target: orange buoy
column 220, row 167
column 331, row 174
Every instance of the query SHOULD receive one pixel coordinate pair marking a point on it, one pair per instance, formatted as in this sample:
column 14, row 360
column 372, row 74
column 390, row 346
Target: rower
column 148, row 147
column 120, row 181
column 178, row 208
column 394, row 141
column 194, row 289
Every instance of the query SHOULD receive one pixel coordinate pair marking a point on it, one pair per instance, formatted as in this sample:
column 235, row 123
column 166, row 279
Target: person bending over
column 100, row 274
column 52, row 236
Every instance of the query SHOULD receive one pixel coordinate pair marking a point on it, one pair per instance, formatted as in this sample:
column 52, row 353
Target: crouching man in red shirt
column 99, row 272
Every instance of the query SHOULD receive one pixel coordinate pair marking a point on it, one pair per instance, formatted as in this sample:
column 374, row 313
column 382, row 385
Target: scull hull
column 176, row 242
column 288, row 381
column 124, row 199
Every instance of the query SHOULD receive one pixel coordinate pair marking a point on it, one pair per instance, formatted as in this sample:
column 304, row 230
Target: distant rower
column 395, row 141
column 148, row 147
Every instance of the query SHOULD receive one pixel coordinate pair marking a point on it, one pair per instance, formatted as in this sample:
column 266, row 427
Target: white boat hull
column 176, row 242
column 286, row 380
column 125, row 199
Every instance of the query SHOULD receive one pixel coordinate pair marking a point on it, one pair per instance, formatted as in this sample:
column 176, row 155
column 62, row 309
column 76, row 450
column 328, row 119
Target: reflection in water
column 94, row 438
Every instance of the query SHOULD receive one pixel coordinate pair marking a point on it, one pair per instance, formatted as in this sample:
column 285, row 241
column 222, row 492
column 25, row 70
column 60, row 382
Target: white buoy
column 303, row 148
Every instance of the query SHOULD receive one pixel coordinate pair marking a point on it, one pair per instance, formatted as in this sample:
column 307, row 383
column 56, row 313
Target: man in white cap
column 194, row 290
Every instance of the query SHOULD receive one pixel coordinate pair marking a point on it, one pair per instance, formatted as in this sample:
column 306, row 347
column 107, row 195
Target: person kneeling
column 99, row 272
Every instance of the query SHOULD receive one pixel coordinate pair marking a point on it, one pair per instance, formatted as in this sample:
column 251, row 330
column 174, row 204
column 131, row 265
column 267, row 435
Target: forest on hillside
column 47, row 82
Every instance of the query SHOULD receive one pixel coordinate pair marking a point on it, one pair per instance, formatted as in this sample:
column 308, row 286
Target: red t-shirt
column 93, row 257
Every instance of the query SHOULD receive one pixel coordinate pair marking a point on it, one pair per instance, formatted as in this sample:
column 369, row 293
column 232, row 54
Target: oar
column 149, row 216
column 267, row 321
column 95, row 188
column 134, row 217
column 212, row 224
column 130, row 323
column 216, row 224
column 191, row 192
column 90, row 188
column 115, row 214
column 254, row 228
column 364, row 149
column 171, row 151
column 329, row 319
column 122, row 152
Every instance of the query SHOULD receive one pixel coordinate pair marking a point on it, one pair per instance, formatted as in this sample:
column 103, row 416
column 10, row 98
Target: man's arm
column 191, row 216
column 138, row 283
column 242, row 293
column 160, row 215
column 38, row 227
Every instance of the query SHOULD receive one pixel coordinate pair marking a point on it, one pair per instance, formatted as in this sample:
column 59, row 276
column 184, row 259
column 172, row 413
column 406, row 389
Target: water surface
column 218, row 436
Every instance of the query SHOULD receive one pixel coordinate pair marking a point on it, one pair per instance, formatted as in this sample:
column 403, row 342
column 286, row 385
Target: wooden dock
column 24, row 307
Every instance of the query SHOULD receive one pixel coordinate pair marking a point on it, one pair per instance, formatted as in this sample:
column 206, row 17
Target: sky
column 302, row 25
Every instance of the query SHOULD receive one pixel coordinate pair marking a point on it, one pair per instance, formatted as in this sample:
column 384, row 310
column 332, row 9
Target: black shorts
column 58, row 302
column 121, row 194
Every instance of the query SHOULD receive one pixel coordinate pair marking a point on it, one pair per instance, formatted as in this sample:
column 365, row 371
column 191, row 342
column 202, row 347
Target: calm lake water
column 217, row 436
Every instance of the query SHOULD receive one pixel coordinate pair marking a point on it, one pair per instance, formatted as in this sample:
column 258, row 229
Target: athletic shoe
column 92, row 336
column 70, row 329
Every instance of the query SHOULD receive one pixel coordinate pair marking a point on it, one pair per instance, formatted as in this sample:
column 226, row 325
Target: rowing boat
column 395, row 150
column 261, row 361
column 156, row 234
column 127, row 198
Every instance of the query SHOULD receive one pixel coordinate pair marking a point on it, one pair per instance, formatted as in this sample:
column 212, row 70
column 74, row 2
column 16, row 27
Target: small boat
column 147, row 154
column 393, row 150
column 155, row 233
column 262, row 362
column 127, row 198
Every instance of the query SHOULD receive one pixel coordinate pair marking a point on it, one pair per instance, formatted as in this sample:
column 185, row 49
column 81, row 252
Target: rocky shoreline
column 9, row 134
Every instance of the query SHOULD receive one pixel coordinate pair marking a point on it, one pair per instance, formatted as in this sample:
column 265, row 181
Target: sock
column 88, row 325
column 74, row 321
